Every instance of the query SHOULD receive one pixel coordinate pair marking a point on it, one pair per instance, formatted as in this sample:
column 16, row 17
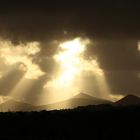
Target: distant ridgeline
column 78, row 100
column 74, row 102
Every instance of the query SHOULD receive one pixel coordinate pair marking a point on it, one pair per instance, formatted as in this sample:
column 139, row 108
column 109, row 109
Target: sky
column 33, row 35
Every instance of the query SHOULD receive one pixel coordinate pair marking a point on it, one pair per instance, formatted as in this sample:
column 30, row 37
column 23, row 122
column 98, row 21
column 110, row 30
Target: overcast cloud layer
column 113, row 27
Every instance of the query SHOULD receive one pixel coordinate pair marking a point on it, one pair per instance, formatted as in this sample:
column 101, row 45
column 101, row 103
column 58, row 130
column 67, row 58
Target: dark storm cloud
column 124, row 82
column 117, row 54
column 120, row 60
column 45, row 57
column 37, row 20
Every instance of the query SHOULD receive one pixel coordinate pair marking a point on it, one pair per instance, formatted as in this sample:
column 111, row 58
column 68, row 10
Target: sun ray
column 72, row 64
column 21, row 88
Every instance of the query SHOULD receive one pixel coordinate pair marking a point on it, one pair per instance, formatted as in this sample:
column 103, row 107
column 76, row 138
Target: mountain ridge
column 81, row 99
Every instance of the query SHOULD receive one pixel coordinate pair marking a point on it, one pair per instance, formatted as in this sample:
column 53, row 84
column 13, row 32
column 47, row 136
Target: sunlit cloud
column 4, row 99
column 72, row 65
column 66, row 80
column 70, row 59
column 139, row 46
column 116, row 97
column 23, row 54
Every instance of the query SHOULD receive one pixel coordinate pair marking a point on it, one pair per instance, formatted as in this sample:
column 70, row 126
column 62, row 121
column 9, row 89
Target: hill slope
column 13, row 105
column 78, row 100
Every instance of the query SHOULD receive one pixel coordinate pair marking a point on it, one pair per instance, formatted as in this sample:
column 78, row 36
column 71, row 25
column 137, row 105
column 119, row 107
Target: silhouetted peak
column 129, row 100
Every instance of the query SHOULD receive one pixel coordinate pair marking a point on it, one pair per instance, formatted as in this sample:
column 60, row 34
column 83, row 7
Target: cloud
column 118, row 59
column 29, row 21
column 138, row 45
column 33, row 30
column 139, row 75
column 116, row 97
column 4, row 99
column 116, row 54
column 21, row 54
column 124, row 82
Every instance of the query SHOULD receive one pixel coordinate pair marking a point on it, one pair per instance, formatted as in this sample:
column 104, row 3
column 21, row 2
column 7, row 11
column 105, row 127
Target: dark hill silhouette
column 128, row 100
column 81, row 99
column 103, row 122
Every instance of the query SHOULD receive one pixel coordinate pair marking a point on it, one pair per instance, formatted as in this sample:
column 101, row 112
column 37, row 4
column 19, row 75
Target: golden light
column 75, row 46
column 116, row 97
column 20, row 57
column 21, row 53
column 4, row 99
column 66, row 80
column 70, row 57
column 21, row 88
column 139, row 46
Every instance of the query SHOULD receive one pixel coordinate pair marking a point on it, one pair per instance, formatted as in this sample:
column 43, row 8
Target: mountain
column 78, row 100
column 128, row 100
column 13, row 105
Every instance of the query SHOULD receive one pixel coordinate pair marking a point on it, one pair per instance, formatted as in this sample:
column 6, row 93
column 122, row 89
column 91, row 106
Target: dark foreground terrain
column 92, row 122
